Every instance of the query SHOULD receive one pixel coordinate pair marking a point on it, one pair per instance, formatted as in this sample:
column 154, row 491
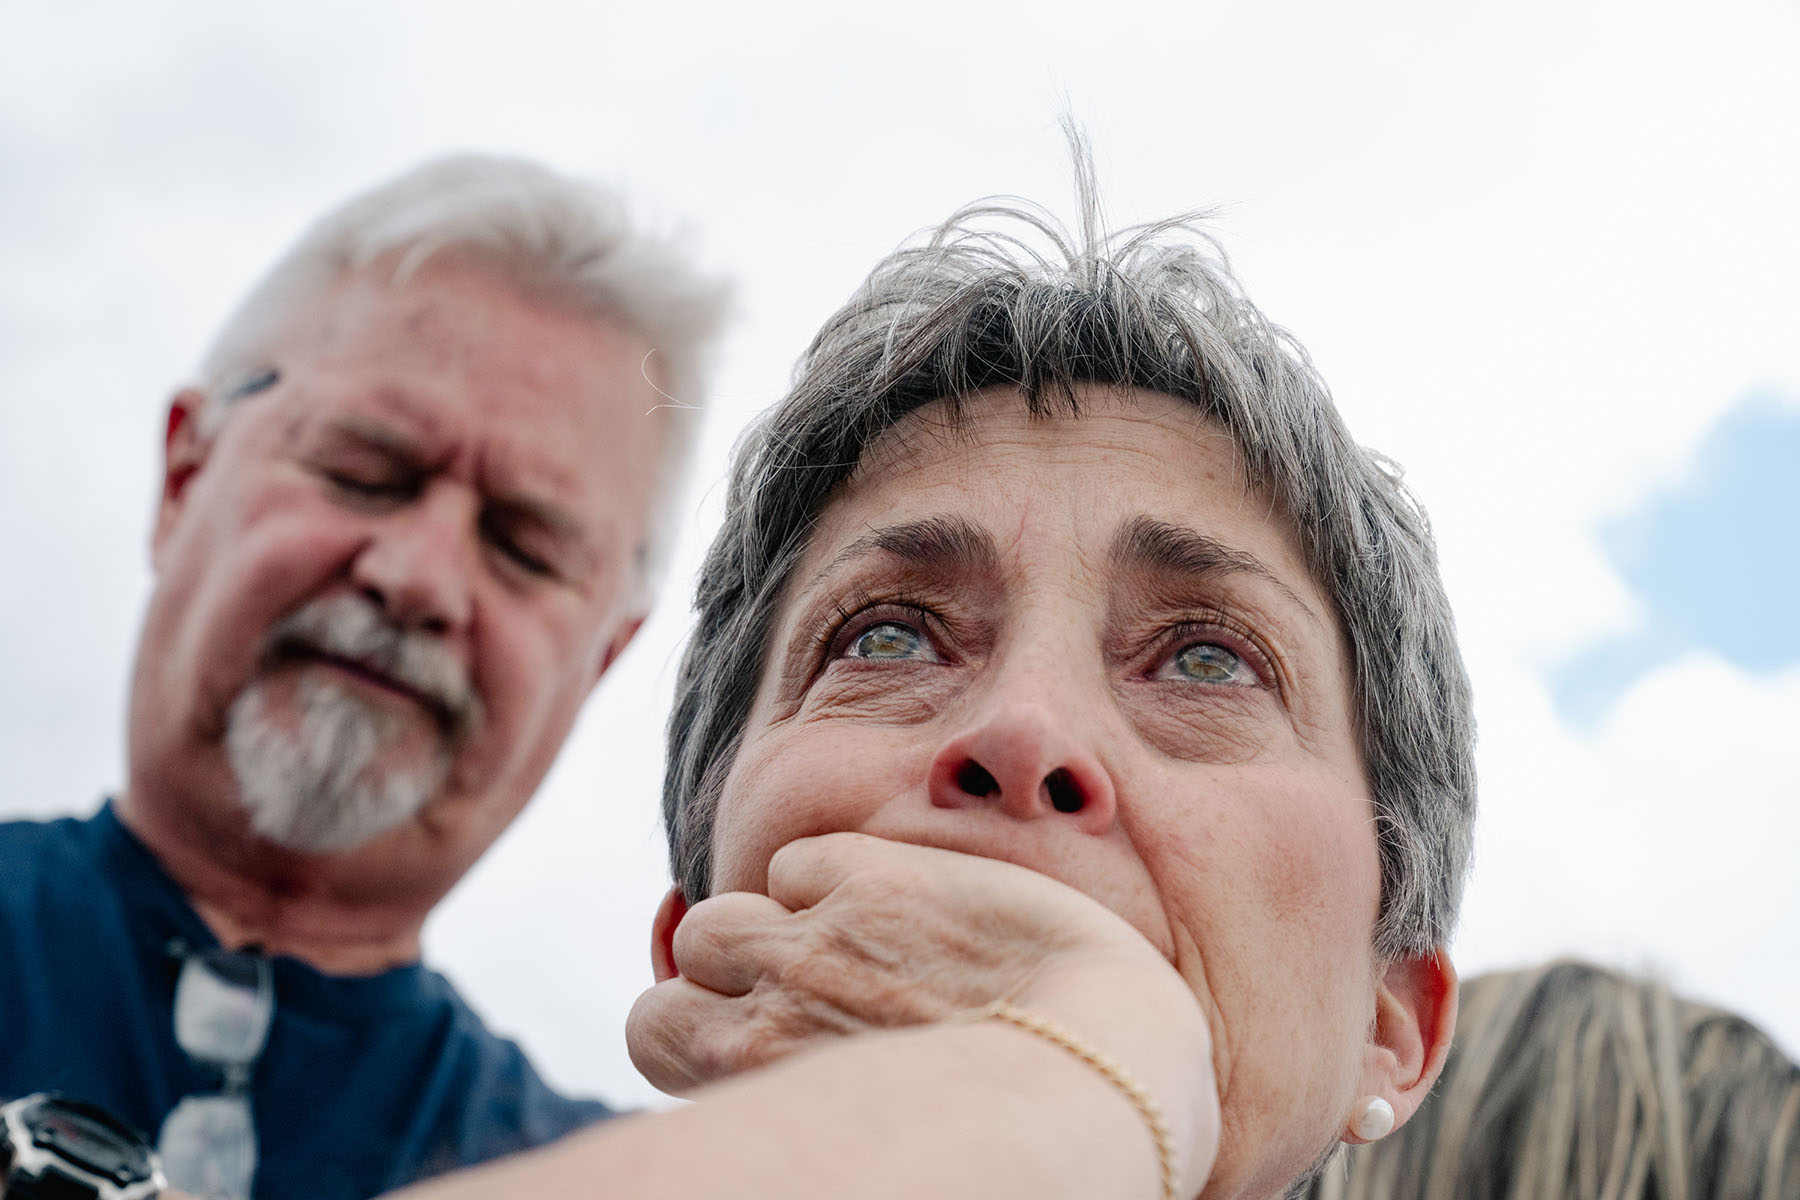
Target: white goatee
column 313, row 779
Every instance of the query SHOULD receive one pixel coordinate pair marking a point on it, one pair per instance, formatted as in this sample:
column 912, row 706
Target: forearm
column 976, row 1110
column 816, row 1017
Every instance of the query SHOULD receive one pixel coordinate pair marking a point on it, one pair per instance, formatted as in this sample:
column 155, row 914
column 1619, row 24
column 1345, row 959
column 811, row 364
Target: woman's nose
column 1029, row 761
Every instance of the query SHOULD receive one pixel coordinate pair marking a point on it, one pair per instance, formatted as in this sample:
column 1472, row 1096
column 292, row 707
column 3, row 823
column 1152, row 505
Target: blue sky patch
column 1715, row 562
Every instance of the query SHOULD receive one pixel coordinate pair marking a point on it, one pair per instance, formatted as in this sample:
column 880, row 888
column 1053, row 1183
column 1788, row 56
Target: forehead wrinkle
column 532, row 482
column 952, row 545
column 1147, row 544
column 503, row 481
column 543, row 492
column 385, row 437
column 387, row 415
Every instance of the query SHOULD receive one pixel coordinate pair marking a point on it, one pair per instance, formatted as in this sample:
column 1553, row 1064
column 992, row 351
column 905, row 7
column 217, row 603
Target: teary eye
column 890, row 640
column 1209, row 662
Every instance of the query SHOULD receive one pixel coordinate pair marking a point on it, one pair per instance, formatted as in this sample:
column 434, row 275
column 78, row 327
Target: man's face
column 390, row 579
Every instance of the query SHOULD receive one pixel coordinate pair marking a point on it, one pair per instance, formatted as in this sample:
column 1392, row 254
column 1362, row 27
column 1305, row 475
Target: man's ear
column 184, row 453
column 621, row 638
column 669, row 913
column 1415, row 1016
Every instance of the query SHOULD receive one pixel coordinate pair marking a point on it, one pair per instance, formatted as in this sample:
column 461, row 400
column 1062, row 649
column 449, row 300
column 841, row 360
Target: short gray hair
column 557, row 239
column 1156, row 308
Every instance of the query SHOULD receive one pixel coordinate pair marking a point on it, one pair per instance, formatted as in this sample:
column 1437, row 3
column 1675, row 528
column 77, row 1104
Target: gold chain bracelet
column 1115, row 1074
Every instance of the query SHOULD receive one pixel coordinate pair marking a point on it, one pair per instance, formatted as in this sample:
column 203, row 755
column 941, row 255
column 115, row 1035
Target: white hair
column 557, row 239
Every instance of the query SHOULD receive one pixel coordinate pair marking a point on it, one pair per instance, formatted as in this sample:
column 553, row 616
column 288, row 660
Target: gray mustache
column 348, row 627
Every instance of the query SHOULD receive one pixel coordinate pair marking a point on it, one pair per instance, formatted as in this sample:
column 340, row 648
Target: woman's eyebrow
column 950, row 545
column 1147, row 544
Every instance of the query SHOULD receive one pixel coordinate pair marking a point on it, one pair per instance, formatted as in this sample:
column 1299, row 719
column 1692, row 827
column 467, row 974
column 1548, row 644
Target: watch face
column 90, row 1143
column 63, row 1149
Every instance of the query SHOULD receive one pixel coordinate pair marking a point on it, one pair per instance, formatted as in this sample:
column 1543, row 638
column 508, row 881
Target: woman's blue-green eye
column 889, row 640
column 1209, row 662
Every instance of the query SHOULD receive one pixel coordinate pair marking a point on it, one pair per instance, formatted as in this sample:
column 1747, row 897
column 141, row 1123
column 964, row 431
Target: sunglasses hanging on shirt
column 224, row 1005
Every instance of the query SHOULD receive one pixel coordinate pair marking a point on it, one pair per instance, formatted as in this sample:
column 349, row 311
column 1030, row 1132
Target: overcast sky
column 1544, row 252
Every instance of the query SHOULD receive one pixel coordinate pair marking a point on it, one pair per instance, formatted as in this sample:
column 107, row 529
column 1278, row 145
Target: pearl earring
column 1374, row 1119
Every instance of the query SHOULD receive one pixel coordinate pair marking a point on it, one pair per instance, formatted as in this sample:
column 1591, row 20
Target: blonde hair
column 1574, row 1082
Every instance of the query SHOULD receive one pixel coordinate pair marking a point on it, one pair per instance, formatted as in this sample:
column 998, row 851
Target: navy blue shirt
column 367, row 1082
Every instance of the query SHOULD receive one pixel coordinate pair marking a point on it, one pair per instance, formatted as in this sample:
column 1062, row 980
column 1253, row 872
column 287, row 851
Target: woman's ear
column 1415, row 1016
column 669, row 913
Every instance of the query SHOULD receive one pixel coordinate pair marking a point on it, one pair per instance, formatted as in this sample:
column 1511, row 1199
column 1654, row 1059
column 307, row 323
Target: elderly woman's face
column 1081, row 646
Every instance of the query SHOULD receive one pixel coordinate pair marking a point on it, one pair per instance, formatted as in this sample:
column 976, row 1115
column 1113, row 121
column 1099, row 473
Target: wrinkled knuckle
column 695, row 939
column 750, row 1044
column 893, row 1002
column 816, row 970
column 702, row 1056
column 849, row 982
column 795, row 857
column 897, row 891
column 715, row 1058
column 655, row 1049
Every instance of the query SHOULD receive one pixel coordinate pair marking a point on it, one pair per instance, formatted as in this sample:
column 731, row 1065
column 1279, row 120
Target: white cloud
column 1667, row 839
column 1537, row 251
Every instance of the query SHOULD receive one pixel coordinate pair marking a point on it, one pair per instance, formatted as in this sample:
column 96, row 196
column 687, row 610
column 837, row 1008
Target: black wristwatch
column 55, row 1148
